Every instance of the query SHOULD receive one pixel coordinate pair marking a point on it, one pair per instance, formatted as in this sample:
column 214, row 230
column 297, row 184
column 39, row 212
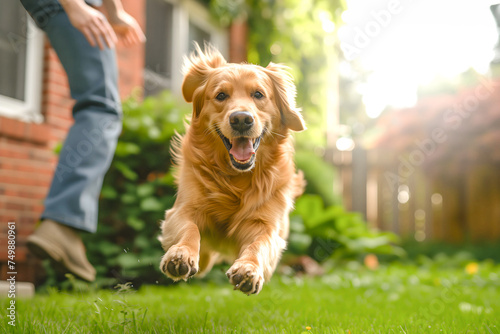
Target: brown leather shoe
column 62, row 245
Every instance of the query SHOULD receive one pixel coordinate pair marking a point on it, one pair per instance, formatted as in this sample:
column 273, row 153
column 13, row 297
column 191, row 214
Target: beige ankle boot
column 62, row 245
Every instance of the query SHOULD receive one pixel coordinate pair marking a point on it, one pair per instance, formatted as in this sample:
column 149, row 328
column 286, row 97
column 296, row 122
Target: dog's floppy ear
column 196, row 69
column 285, row 91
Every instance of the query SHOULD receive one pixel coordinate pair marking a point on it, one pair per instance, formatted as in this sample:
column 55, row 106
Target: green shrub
column 479, row 250
column 319, row 174
column 323, row 232
column 137, row 190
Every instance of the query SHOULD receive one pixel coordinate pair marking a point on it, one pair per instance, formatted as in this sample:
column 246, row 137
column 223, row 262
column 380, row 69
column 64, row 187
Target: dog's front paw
column 179, row 263
column 246, row 277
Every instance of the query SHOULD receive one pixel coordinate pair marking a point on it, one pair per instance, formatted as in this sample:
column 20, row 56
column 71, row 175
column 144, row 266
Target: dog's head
column 239, row 104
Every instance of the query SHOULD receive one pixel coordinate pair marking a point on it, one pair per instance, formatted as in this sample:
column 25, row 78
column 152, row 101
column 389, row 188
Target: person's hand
column 91, row 23
column 127, row 29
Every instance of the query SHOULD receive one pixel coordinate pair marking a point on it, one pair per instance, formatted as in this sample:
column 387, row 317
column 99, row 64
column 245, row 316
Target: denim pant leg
column 91, row 142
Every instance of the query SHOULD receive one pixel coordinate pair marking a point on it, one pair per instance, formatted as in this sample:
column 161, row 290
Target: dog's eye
column 221, row 96
column 258, row 95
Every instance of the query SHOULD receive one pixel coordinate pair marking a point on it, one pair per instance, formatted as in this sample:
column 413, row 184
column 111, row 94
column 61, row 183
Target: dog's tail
column 299, row 183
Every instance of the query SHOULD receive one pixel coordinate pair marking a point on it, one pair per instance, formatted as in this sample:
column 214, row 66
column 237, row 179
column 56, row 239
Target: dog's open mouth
column 242, row 150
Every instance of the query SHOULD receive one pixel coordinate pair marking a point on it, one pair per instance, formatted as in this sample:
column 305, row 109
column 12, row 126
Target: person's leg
column 83, row 161
column 89, row 146
column 91, row 142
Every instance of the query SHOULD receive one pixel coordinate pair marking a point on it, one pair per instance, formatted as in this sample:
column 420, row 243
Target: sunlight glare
column 424, row 40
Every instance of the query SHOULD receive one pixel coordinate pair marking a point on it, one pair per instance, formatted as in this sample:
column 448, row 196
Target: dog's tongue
column 242, row 148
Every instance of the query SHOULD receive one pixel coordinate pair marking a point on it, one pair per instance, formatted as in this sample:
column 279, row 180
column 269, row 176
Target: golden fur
column 224, row 212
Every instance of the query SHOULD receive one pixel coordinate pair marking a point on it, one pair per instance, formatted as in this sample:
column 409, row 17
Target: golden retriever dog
column 234, row 170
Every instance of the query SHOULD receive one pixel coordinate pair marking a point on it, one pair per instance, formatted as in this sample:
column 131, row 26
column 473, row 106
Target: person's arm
column 113, row 7
column 90, row 22
column 124, row 25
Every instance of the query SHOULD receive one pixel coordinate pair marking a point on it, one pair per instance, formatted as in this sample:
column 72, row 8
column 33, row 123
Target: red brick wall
column 27, row 159
column 131, row 60
column 238, row 42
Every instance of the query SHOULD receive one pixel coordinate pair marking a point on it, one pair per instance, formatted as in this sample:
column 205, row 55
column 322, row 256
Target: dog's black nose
column 241, row 121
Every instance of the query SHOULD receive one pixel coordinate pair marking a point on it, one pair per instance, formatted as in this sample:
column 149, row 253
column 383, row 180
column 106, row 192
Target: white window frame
column 28, row 110
column 183, row 12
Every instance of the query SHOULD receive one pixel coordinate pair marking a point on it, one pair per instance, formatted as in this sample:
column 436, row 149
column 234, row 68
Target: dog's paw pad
column 178, row 264
column 246, row 278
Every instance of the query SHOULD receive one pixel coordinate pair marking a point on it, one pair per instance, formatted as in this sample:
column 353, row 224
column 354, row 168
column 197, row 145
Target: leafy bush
column 137, row 190
column 484, row 250
column 319, row 174
column 323, row 232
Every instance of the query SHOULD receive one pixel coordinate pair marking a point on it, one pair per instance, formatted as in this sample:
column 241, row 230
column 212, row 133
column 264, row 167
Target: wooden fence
column 459, row 204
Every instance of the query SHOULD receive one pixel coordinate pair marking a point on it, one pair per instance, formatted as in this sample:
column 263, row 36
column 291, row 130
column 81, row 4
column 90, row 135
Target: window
column 21, row 46
column 171, row 28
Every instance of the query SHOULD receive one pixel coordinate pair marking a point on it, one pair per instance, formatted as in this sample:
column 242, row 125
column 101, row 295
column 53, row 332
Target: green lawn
column 351, row 299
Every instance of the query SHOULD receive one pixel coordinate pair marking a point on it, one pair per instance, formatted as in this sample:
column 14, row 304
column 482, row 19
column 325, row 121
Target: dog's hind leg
column 207, row 261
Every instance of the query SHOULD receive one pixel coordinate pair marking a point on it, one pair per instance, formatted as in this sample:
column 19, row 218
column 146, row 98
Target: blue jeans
column 90, row 144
